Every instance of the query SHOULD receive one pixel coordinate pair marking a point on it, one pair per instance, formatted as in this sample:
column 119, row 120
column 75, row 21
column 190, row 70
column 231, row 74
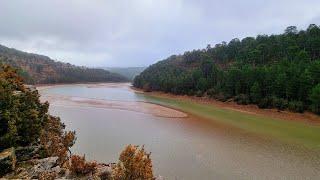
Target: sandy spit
column 136, row 106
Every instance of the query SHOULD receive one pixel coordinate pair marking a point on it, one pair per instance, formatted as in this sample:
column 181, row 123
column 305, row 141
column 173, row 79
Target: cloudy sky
column 141, row 32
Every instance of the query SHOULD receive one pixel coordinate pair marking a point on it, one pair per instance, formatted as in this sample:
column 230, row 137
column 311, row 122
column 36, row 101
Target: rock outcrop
column 26, row 153
column 48, row 168
column 7, row 161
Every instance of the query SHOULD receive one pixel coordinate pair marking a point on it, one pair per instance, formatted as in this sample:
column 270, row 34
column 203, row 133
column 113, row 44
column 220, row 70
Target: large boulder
column 43, row 165
column 7, row 161
column 46, row 168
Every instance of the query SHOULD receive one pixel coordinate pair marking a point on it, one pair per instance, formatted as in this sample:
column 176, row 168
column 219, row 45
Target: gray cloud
column 141, row 32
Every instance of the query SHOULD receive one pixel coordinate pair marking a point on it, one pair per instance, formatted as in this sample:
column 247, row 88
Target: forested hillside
column 36, row 69
column 272, row 71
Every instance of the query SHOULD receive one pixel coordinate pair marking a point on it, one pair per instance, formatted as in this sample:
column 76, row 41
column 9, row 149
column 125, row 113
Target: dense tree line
column 39, row 69
column 276, row 71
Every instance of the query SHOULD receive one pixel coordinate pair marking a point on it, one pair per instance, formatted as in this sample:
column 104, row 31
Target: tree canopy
column 274, row 71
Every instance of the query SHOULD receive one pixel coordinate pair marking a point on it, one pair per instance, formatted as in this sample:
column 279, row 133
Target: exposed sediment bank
column 306, row 117
column 136, row 106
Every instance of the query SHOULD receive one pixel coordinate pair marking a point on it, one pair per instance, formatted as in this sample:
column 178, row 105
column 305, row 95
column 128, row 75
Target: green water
column 290, row 132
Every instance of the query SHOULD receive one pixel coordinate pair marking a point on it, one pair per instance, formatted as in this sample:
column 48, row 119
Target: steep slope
column 37, row 69
column 281, row 71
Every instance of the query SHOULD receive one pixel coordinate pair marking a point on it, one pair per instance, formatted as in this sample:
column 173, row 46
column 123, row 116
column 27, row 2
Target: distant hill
column 128, row 72
column 39, row 69
column 273, row 71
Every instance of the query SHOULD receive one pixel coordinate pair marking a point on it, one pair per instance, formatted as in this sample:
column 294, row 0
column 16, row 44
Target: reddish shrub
column 79, row 166
column 134, row 163
column 55, row 140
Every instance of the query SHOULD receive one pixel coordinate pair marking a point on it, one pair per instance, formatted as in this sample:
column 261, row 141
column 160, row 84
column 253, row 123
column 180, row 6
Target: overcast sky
column 141, row 32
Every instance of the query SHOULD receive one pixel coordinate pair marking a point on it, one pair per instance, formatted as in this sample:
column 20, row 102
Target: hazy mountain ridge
column 40, row 69
column 128, row 72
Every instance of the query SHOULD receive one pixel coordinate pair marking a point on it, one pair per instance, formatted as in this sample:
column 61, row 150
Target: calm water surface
column 182, row 148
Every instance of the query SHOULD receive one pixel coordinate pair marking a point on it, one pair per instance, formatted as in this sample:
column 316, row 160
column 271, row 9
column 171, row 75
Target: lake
column 107, row 117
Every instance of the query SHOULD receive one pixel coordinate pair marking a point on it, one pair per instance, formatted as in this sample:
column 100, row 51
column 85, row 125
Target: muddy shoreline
column 41, row 87
column 306, row 117
column 200, row 143
column 135, row 106
column 164, row 111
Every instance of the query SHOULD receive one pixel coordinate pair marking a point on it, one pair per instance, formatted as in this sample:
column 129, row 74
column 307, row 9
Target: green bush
column 211, row 92
column 221, row 97
column 242, row 99
column 315, row 109
column 190, row 92
column 296, row 106
column 280, row 103
column 265, row 103
column 199, row 93
column 146, row 87
column 21, row 112
column 315, row 99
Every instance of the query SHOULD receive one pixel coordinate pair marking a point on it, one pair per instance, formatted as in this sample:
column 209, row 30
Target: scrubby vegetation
column 39, row 69
column 79, row 165
column 25, row 122
column 22, row 115
column 55, row 141
column 276, row 71
column 134, row 163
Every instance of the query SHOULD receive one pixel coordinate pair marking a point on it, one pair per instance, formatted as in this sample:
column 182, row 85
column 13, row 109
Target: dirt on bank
column 41, row 87
column 306, row 117
column 73, row 101
column 162, row 111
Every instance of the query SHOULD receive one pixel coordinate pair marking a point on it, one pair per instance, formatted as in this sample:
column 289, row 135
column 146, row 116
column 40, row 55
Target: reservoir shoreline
column 286, row 127
column 306, row 117
column 138, row 106
column 213, row 142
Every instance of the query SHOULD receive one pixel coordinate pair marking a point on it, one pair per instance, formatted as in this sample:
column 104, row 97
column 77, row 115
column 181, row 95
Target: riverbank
column 135, row 106
column 306, row 117
column 49, row 155
column 291, row 128
column 41, row 87
column 205, row 144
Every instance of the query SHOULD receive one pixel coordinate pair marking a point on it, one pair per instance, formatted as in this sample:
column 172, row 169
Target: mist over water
column 182, row 148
